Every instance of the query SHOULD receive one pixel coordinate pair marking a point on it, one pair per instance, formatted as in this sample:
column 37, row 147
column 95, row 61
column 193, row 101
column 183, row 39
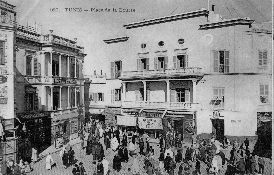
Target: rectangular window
column 218, row 98
column 264, row 93
column 221, row 61
column 29, row 101
column 116, row 68
column 2, row 53
column 181, row 94
column 117, row 94
column 262, row 58
column 143, row 64
column 100, row 96
column 29, row 65
column 160, row 63
column 182, row 61
column 55, row 67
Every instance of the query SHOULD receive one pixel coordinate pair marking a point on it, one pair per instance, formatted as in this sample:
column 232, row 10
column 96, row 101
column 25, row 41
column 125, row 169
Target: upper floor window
column 116, row 68
column 2, row 53
column 143, row 45
column 180, row 61
column 218, row 98
column 160, row 63
column 143, row 64
column 180, row 95
column 181, row 41
column 97, row 97
column 264, row 93
column 29, row 101
column 262, row 58
column 55, row 67
column 161, row 43
column 221, row 61
column 29, row 65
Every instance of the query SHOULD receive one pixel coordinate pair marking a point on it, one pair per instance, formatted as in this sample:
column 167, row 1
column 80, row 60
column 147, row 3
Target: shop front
column 65, row 127
column 33, row 131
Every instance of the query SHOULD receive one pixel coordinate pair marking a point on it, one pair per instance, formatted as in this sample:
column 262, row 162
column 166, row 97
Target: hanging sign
column 150, row 123
column 126, row 120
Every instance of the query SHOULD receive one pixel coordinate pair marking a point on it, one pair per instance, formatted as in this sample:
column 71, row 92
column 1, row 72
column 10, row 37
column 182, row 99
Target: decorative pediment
column 180, row 51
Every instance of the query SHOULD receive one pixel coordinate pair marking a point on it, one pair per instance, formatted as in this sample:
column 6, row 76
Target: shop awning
column 126, row 120
column 150, row 123
column 63, row 117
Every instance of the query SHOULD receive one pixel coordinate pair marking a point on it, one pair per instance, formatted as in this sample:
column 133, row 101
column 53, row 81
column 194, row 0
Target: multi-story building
column 50, row 88
column 194, row 72
column 7, row 80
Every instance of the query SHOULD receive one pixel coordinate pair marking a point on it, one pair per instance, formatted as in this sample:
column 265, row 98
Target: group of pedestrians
column 67, row 154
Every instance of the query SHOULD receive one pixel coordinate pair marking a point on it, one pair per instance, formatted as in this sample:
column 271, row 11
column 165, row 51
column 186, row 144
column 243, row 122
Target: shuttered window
column 218, row 98
column 148, row 95
column 221, row 61
column 180, row 61
column 160, row 63
column 262, row 57
column 36, row 66
column 264, row 93
column 112, row 95
column 117, row 94
column 115, row 69
column 2, row 53
column 143, row 64
column 29, row 65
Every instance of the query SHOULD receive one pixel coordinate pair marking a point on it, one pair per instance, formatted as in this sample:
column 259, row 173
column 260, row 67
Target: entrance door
column 179, row 127
column 218, row 129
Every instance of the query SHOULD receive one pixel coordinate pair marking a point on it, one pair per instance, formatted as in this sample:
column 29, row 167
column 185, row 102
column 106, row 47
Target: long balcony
column 50, row 80
column 167, row 73
column 158, row 105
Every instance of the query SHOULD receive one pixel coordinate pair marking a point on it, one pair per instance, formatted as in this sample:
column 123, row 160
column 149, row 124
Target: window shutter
column 35, row 66
column 103, row 97
column 186, row 61
column 260, row 58
column 166, row 63
column 148, row 95
column 46, row 66
column 36, row 101
column 137, row 95
column 187, row 95
column 39, row 69
column 138, row 64
column 265, row 58
column 112, row 95
column 121, row 66
column 95, row 97
column 91, row 97
column 226, row 61
column 156, row 63
column 147, row 62
column 266, row 90
column 112, row 69
column 174, row 62
column 172, row 95
column 216, row 61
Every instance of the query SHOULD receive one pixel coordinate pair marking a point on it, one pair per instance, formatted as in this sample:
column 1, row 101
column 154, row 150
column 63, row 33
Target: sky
column 91, row 27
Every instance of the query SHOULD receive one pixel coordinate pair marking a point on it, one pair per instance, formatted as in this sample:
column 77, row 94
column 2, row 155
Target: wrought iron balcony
column 159, row 105
column 167, row 73
column 49, row 80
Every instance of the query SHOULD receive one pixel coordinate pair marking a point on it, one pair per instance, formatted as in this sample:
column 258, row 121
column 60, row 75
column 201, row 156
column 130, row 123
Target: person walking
column 246, row 142
column 71, row 156
column 34, row 155
column 105, row 165
column 81, row 169
column 261, row 164
column 65, row 159
column 49, row 162
column 100, row 168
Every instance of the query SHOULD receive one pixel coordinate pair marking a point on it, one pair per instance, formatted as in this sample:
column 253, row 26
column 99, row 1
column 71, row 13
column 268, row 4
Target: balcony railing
column 51, row 80
column 175, row 105
column 161, row 73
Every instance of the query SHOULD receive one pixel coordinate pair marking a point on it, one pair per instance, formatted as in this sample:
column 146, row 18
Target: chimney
column 212, row 8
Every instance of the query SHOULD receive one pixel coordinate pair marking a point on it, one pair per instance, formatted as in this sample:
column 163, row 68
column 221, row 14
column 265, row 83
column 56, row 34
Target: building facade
column 50, row 83
column 196, row 72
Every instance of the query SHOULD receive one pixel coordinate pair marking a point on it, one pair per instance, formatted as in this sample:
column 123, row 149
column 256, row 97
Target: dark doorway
column 179, row 127
column 218, row 129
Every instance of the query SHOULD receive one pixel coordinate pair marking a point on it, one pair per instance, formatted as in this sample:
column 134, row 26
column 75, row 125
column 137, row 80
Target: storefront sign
column 151, row 114
column 3, row 100
column 63, row 80
column 3, row 79
column 150, row 123
column 126, row 120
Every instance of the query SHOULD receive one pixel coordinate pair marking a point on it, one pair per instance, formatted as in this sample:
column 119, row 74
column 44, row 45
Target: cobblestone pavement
column 40, row 167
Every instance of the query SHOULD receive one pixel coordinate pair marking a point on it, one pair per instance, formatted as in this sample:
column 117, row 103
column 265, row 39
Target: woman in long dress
column 34, row 155
column 49, row 162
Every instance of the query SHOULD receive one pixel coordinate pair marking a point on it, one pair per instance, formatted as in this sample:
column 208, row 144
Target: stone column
column 167, row 91
column 194, row 82
column 51, row 97
column 145, row 90
column 43, row 64
column 60, row 98
column 60, row 65
column 75, row 67
column 50, row 65
column 75, row 93
column 68, row 66
column 68, row 96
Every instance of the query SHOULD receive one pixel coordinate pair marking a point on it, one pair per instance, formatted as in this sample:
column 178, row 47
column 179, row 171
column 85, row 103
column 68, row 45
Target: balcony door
column 180, row 95
column 180, row 61
column 160, row 63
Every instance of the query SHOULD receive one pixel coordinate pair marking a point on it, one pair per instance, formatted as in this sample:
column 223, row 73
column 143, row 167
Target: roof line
column 116, row 40
column 197, row 13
